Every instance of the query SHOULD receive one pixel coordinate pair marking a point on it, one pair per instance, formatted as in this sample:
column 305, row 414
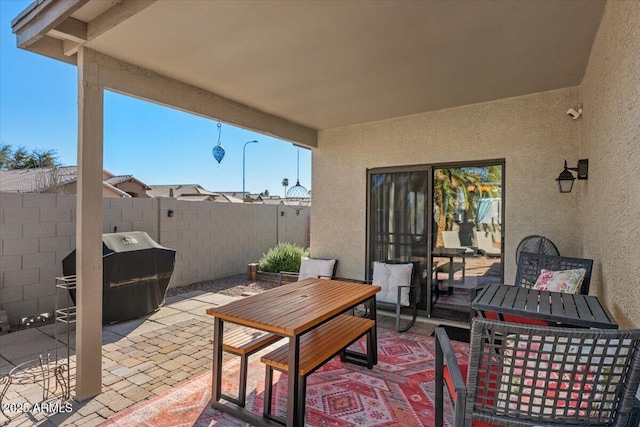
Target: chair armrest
column 445, row 355
column 411, row 289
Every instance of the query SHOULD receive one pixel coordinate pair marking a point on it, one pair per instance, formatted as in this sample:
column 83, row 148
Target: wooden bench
column 243, row 342
column 317, row 347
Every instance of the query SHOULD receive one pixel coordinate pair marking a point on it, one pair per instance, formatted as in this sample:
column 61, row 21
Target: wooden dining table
column 290, row 311
column 556, row 307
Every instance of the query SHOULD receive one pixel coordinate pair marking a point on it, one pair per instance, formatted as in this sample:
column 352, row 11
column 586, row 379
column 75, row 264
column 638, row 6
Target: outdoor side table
column 568, row 309
column 451, row 267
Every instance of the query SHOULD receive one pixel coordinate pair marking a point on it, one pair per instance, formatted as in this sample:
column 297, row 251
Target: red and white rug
column 398, row 391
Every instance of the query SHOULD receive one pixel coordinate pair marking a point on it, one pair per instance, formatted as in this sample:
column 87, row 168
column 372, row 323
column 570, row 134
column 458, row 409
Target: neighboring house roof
column 49, row 180
column 196, row 198
column 268, row 200
column 117, row 179
column 182, row 191
column 226, row 198
column 236, row 197
column 115, row 189
column 36, row 180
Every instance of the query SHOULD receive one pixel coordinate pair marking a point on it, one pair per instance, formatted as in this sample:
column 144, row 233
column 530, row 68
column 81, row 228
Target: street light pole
column 244, row 197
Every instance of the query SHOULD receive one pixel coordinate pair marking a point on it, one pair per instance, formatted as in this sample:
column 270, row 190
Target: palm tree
column 285, row 184
column 448, row 184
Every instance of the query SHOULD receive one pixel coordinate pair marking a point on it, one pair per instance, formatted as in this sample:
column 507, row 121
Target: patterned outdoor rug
column 399, row 391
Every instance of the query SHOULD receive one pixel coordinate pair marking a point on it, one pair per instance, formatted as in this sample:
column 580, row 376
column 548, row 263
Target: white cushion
column 389, row 277
column 315, row 268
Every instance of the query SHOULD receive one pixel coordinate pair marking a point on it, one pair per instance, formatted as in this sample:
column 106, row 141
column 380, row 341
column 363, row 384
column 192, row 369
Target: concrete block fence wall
column 212, row 240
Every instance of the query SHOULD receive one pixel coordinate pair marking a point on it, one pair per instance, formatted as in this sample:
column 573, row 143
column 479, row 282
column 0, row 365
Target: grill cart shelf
column 52, row 374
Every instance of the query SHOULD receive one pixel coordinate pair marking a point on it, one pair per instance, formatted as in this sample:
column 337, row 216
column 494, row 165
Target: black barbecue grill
column 136, row 274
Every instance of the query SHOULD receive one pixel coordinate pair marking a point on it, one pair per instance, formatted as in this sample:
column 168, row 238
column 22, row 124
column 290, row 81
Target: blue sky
column 156, row 144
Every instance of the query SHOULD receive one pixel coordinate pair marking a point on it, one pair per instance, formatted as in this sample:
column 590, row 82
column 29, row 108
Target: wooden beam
column 42, row 19
column 114, row 16
column 53, row 48
column 71, row 29
column 129, row 79
column 70, row 47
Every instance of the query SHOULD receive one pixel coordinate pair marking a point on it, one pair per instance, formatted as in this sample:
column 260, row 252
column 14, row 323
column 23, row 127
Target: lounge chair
column 451, row 240
column 484, row 240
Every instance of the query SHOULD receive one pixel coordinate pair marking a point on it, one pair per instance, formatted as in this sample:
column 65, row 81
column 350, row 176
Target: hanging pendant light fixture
column 297, row 196
column 218, row 151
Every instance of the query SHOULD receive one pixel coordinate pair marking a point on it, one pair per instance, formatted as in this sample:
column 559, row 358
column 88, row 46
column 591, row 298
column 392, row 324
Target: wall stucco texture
column 532, row 133
column 609, row 206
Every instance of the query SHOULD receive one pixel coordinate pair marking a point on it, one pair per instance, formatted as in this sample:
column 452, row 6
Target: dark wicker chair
column 530, row 264
column 557, row 376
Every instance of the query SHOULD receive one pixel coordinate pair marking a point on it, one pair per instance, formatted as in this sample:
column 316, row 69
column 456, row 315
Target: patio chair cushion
column 315, row 268
column 568, row 281
column 522, row 379
column 389, row 277
column 464, row 368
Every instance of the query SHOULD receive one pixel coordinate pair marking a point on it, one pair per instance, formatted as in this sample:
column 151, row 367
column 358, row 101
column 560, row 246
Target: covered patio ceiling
column 289, row 69
column 330, row 64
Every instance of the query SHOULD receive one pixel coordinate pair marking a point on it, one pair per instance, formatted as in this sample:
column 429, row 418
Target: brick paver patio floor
column 141, row 358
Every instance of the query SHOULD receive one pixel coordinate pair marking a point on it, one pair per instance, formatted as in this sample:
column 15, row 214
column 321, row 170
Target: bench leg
column 242, row 383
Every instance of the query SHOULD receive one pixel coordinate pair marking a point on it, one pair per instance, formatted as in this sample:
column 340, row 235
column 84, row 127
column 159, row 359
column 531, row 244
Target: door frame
column 430, row 169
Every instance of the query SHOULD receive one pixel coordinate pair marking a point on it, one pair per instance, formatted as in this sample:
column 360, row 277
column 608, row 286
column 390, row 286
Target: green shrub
column 283, row 257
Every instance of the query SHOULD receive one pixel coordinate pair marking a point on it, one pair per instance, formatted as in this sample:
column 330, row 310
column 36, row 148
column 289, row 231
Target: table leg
column 464, row 267
column 374, row 333
column 451, row 273
column 295, row 410
column 218, row 331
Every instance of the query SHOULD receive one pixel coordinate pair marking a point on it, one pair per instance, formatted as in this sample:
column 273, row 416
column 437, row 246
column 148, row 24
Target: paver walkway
column 142, row 358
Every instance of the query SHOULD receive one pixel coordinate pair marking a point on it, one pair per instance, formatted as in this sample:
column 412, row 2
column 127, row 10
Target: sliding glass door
column 398, row 219
column 449, row 219
column 467, row 234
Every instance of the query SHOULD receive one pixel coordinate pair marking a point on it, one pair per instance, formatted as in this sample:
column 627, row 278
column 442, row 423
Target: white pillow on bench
column 389, row 277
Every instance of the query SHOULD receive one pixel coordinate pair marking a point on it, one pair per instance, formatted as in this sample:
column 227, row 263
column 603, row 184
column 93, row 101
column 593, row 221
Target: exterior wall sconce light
column 566, row 178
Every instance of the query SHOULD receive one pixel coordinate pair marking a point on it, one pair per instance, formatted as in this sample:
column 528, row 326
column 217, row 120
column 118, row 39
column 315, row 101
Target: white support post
column 89, row 229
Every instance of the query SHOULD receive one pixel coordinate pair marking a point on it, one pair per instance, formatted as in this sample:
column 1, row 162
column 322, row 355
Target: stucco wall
column 610, row 139
column 532, row 133
column 212, row 240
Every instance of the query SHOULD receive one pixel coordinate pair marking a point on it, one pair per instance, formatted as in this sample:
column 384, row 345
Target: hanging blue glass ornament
column 218, row 153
